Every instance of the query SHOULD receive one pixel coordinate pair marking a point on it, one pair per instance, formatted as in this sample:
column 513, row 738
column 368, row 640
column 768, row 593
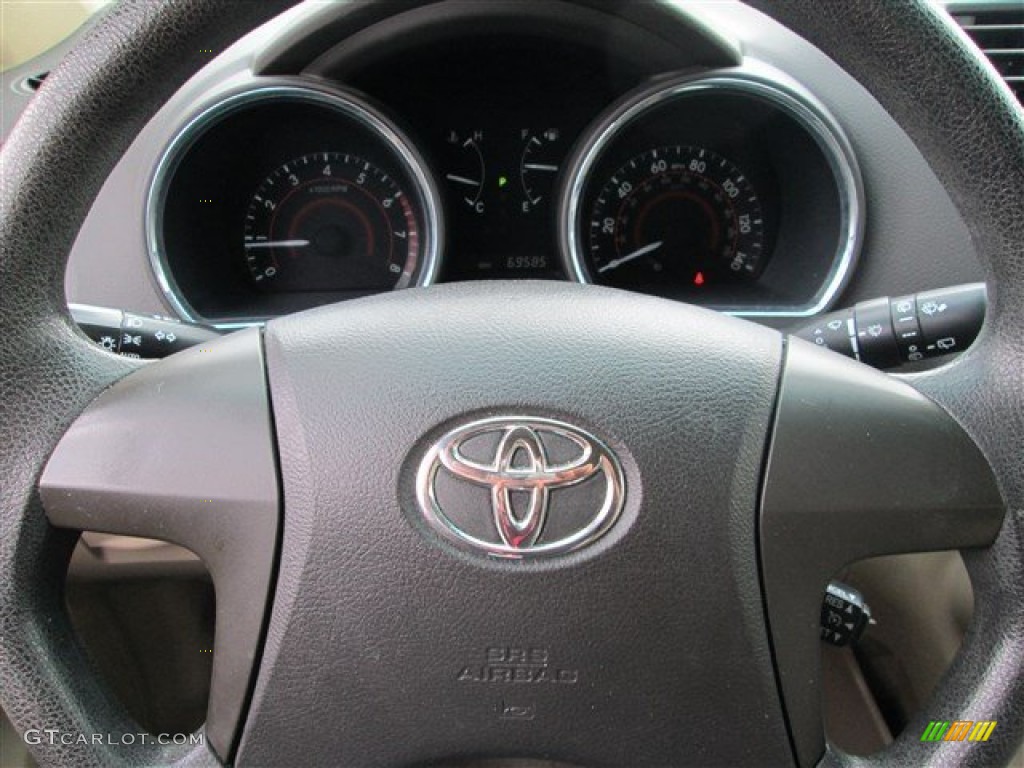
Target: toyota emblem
column 520, row 487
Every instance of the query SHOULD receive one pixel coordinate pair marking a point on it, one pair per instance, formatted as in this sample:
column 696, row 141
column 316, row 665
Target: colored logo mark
column 958, row 730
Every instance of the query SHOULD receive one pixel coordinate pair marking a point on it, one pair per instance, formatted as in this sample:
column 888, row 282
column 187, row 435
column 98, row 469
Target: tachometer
column 675, row 214
column 330, row 221
column 289, row 195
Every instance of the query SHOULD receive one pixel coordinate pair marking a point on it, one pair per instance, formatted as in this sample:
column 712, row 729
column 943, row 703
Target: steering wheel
column 740, row 468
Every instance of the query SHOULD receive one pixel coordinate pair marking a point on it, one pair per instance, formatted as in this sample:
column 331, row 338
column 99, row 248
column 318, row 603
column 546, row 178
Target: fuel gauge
column 500, row 180
column 539, row 161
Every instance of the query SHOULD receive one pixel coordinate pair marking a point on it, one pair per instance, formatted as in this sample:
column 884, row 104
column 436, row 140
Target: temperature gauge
column 500, row 182
column 468, row 173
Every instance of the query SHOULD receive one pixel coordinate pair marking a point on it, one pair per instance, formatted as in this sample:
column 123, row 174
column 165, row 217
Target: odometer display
column 330, row 221
column 675, row 215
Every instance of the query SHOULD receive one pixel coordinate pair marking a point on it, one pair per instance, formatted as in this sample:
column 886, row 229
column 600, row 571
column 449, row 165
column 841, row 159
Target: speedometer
column 735, row 190
column 677, row 213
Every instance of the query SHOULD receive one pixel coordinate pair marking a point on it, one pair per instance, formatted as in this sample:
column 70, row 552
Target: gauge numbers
column 331, row 221
column 675, row 214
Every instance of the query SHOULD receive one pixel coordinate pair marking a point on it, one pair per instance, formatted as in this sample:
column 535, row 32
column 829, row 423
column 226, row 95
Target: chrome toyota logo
column 520, row 487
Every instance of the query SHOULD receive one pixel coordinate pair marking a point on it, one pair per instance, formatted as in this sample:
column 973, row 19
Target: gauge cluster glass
column 331, row 221
column 505, row 156
column 675, row 214
column 496, row 115
column 500, row 186
column 286, row 196
column 728, row 189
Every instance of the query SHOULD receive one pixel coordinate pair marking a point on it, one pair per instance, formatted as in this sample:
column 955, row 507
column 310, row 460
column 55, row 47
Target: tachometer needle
column 277, row 244
column 630, row 256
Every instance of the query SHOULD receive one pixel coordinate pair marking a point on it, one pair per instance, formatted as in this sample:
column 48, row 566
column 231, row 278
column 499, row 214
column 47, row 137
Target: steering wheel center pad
column 381, row 626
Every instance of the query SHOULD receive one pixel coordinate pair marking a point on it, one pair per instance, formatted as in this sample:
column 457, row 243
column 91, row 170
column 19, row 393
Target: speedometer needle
column 630, row 256
column 277, row 244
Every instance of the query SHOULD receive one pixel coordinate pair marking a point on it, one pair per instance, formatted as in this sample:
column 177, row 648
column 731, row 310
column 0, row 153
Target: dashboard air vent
column 998, row 29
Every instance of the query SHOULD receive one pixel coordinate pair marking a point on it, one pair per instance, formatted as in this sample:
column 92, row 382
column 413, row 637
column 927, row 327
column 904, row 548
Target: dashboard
column 698, row 153
column 505, row 154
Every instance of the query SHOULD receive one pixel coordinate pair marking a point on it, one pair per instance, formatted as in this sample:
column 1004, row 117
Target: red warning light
column 698, row 279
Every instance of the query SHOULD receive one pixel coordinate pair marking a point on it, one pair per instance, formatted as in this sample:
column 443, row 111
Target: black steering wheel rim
column 946, row 98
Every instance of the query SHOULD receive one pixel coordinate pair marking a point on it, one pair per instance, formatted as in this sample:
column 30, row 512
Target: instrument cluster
column 728, row 187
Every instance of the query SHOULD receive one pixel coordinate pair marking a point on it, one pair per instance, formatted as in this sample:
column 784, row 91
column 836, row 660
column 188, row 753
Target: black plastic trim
column 183, row 451
column 861, row 464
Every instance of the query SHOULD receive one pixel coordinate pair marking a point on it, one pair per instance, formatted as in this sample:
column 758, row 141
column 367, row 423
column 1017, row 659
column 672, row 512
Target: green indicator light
column 502, row 181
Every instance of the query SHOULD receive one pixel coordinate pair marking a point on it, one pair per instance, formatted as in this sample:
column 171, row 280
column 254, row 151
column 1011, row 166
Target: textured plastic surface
column 632, row 651
column 920, row 66
column 861, row 464
column 56, row 159
column 201, row 474
column 637, row 32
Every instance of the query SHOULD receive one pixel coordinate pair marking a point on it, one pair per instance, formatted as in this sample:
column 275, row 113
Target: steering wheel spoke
column 183, row 451
column 861, row 464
